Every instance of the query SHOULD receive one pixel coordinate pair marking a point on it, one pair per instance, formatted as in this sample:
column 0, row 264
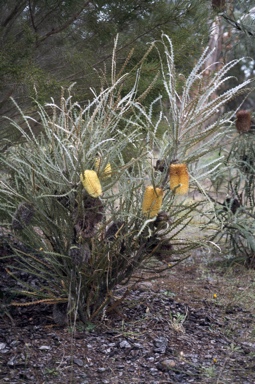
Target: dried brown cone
column 85, row 221
column 114, row 229
column 218, row 5
column 243, row 121
column 162, row 220
column 231, row 204
column 179, row 178
column 160, row 165
column 159, row 247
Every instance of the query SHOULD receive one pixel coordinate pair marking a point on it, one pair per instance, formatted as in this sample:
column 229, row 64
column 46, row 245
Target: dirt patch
column 178, row 328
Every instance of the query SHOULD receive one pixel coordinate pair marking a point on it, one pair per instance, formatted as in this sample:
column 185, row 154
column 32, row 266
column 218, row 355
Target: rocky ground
column 194, row 324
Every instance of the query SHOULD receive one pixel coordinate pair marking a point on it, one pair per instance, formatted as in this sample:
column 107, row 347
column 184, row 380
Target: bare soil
column 194, row 324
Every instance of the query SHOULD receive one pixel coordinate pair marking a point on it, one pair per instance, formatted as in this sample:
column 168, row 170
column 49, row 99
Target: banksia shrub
column 152, row 201
column 234, row 219
column 243, row 121
column 81, row 245
column 179, row 179
column 91, row 183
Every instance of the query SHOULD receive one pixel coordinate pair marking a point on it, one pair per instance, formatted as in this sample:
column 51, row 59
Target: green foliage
column 237, row 40
column 80, row 247
column 46, row 45
column 234, row 218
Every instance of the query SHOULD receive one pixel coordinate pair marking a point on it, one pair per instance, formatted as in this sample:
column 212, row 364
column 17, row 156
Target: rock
column 120, row 366
column 166, row 365
column 12, row 362
column 101, row 369
column 124, row 344
column 160, row 345
column 78, row 362
column 14, row 343
column 4, row 348
column 137, row 346
column 153, row 371
column 145, row 286
column 45, row 348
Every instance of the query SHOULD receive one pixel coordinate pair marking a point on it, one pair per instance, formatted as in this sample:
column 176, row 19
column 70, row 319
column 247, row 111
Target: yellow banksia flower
column 91, row 183
column 179, row 178
column 243, row 121
column 107, row 172
column 152, row 201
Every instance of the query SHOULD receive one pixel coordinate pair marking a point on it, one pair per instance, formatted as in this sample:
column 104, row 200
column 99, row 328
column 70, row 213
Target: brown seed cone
column 113, row 230
column 179, row 178
column 160, row 248
column 218, row 5
column 152, row 201
column 162, row 217
column 243, row 121
column 231, row 204
column 160, row 165
column 85, row 222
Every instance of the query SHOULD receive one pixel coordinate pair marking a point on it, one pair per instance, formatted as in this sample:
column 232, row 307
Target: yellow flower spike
column 97, row 163
column 107, row 172
column 91, row 183
column 179, row 178
column 152, row 201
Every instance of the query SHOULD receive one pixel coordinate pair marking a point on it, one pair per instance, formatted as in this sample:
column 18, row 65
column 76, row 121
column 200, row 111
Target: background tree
column 46, row 45
column 233, row 36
